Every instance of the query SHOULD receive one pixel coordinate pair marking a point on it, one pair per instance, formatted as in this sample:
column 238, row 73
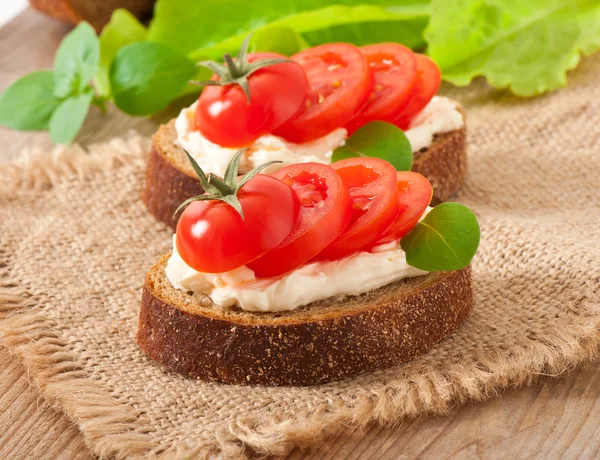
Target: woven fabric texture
column 76, row 241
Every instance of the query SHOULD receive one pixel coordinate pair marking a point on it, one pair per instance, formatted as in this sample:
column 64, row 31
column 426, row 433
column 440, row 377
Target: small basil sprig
column 380, row 140
column 143, row 78
column 446, row 239
column 58, row 100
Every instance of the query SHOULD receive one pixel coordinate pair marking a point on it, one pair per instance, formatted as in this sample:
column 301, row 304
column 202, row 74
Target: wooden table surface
column 555, row 418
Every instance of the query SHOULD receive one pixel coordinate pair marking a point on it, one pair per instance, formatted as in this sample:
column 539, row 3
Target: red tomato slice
column 394, row 69
column 325, row 210
column 371, row 183
column 277, row 92
column 213, row 238
column 414, row 195
column 429, row 79
column 339, row 83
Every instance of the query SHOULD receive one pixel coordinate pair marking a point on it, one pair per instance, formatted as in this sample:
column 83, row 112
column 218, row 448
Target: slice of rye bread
column 170, row 178
column 326, row 340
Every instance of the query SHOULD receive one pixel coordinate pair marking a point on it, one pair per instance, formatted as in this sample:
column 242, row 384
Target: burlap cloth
column 76, row 242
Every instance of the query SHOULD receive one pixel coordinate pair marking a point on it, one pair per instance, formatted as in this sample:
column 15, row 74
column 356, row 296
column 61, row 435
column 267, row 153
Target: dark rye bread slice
column 326, row 340
column 170, row 179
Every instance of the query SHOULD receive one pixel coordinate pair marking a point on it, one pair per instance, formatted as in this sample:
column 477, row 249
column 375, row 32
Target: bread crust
column 58, row 9
column 95, row 12
column 444, row 163
column 324, row 341
column 170, row 180
column 167, row 187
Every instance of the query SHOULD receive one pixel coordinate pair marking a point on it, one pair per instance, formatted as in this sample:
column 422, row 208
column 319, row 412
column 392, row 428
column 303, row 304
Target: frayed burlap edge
column 37, row 169
column 111, row 428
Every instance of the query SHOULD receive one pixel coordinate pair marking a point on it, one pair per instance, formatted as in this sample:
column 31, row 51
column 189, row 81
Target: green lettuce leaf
column 187, row 25
column 274, row 38
column 360, row 25
column 527, row 46
column 211, row 22
column 282, row 40
column 403, row 23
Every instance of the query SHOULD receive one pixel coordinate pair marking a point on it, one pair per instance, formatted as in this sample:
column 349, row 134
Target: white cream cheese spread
column 441, row 115
column 353, row 275
column 214, row 159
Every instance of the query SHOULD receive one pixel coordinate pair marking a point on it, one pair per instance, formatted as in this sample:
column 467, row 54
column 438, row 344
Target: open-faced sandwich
column 302, row 110
column 313, row 273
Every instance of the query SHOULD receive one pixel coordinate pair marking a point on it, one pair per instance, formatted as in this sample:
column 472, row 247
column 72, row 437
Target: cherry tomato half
column 414, row 195
column 394, row 69
column 371, row 183
column 277, row 92
column 325, row 210
column 429, row 79
column 340, row 82
column 213, row 238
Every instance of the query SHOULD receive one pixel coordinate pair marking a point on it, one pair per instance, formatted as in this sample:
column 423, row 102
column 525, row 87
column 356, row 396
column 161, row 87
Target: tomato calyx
column 236, row 72
column 225, row 189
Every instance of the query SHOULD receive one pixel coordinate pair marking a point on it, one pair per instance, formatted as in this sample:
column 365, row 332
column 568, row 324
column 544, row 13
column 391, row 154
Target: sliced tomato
column 339, row 82
column 429, row 79
column 277, row 92
column 414, row 195
column 394, row 69
column 371, row 183
column 212, row 237
column 325, row 210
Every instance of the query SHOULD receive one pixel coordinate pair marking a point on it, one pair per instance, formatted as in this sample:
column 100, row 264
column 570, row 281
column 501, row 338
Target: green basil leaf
column 76, row 61
column 68, row 118
column 123, row 29
column 380, row 140
column 28, row 103
column 446, row 239
column 145, row 77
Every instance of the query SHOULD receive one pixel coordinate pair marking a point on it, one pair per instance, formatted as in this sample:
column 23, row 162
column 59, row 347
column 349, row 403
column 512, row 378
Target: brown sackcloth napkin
column 76, row 242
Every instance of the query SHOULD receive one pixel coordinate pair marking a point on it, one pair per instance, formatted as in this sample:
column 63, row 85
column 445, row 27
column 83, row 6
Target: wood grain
column 555, row 418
